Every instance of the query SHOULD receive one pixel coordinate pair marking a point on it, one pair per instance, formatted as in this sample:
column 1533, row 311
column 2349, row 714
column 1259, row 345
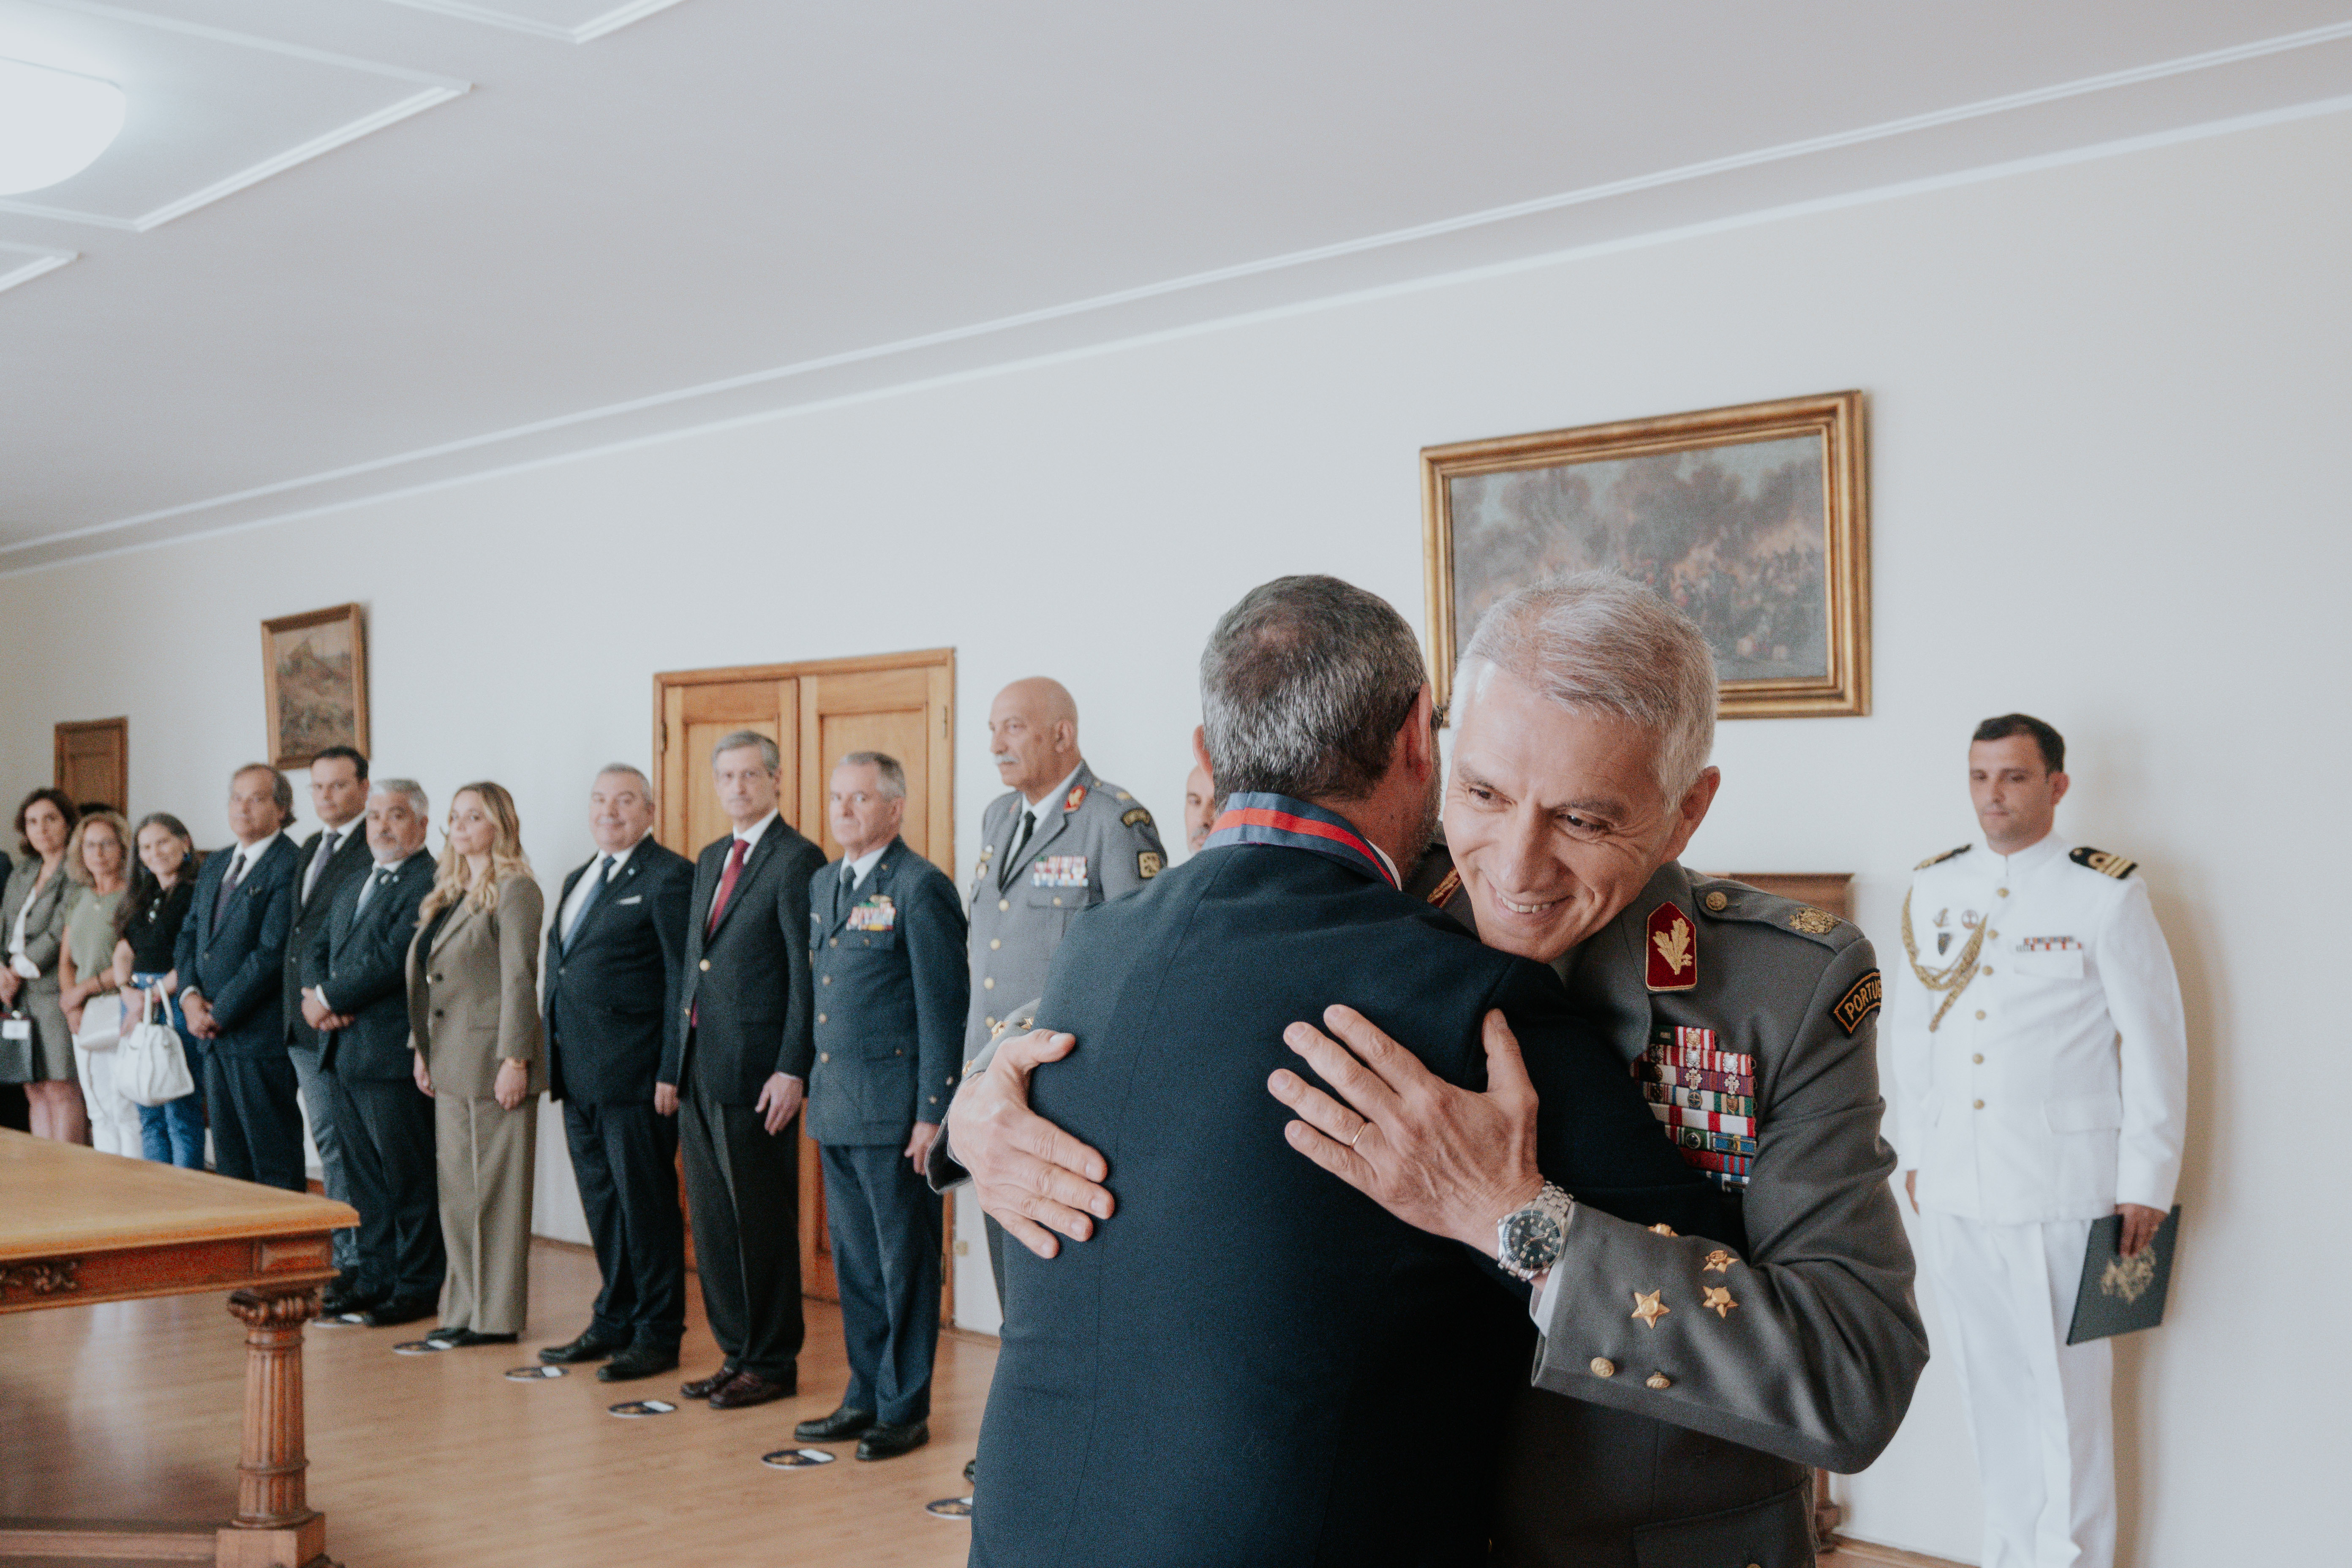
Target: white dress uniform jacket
column 2055, row 1084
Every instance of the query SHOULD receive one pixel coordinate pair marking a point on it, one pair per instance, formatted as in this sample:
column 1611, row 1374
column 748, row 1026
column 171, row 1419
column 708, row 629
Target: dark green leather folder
column 2122, row 1295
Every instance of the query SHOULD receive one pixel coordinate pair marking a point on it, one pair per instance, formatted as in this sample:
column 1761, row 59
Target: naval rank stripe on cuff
column 1280, row 821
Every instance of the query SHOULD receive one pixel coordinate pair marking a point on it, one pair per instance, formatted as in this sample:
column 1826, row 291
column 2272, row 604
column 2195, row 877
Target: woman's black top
column 154, row 930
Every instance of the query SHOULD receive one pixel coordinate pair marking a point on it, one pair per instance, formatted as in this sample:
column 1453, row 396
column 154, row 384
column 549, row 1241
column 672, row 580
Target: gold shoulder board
column 2104, row 862
column 1940, row 859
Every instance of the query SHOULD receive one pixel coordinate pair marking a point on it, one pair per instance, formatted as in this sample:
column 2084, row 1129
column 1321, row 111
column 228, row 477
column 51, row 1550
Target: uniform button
column 1980, row 1015
column 988, row 984
column 995, row 943
column 935, row 1099
column 951, row 1083
column 1980, row 1105
column 1004, row 904
column 1993, row 936
column 706, row 963
column 828, row 979
column 824, row 1056
column 1658, row 1380
column 834, row 941
column 820, row 1017
column 2002, row 891
column 1988, row 969
column 1978, row 1057
column 901, row 1052
column 991, row 1021
column 1603, row 1367
column 1718, row 903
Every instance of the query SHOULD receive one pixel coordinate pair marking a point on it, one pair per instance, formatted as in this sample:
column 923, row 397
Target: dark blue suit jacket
column 1250, row 1362
column 611, row 993
column 749, row 980
column 238, row 967
column 361, row 958
column 892, row 980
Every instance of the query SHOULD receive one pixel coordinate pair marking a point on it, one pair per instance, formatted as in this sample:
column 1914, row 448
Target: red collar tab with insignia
column 1285, row 823
column 1076, row 798
column 1671, row 948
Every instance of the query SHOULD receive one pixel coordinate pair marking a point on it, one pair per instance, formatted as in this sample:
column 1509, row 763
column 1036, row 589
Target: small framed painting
column 314, row 683
column 1754, row 520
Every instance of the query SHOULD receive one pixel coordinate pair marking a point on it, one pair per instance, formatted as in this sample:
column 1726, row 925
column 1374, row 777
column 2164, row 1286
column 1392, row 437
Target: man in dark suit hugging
column 615, row 965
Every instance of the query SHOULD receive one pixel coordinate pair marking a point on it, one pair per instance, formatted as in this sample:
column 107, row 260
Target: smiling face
column 620, row 811
column 1554, row 815
column 2014, row 791
column 862, row 817
column 163, row 851
column 472, row 830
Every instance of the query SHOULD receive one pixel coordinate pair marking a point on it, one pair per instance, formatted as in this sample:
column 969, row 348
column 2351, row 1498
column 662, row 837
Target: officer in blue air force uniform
column 886, row 946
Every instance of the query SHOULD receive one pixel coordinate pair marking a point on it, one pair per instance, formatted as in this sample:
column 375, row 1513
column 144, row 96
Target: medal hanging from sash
column 1280, row 821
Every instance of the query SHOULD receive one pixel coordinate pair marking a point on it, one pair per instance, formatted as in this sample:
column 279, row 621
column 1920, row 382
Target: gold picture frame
column 1754, row 518
column 314, row 683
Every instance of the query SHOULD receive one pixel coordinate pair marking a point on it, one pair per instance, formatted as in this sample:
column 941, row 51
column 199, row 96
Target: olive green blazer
column 473, row 995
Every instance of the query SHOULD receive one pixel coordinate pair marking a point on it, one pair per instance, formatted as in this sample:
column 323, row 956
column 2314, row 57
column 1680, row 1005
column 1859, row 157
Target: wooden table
column 79, row 1227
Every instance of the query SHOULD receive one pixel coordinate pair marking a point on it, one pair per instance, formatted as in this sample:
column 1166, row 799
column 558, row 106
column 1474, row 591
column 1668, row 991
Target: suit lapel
column 459, row 917
column 614, row 890
column 1050, row 822
column 752, row 864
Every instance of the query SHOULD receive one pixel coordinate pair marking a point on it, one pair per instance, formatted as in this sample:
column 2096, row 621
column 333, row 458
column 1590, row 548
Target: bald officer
column 1702, row 1376
column 2041, row 1068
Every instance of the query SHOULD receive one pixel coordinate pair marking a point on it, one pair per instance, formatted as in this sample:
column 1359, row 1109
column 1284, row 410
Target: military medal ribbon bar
column 1284, row 822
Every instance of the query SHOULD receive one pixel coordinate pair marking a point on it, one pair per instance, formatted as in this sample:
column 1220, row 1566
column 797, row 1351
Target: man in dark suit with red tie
column 738, row 1072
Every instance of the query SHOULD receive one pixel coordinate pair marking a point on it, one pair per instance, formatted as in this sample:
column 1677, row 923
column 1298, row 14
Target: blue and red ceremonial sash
column 1280, row 820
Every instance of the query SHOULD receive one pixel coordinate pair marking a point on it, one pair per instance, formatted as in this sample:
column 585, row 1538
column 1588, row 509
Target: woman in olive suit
column 474, row 1025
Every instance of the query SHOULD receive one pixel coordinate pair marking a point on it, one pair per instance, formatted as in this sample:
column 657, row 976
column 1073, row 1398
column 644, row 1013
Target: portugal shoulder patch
column 2105, row 862
column 1133, row 816
column 1148, row 863
column 1857, row 1003
column 1940, row 859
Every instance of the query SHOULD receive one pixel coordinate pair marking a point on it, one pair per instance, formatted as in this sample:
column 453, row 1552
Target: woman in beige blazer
column 37, row 1049
column 474, row 1024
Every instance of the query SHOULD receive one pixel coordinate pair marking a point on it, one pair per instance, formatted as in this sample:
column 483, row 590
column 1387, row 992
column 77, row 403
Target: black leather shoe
column 746, row 1389
column 463, row 1339
column 704, row 1387
column 348, row 1293
column 589, row 1346
column 885, row 1441
column 842, row 1424
column 393, row 1313
column 638, row 1361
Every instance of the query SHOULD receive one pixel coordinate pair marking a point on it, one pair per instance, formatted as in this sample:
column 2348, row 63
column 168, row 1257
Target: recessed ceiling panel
column 210, row 110
column 573, row 21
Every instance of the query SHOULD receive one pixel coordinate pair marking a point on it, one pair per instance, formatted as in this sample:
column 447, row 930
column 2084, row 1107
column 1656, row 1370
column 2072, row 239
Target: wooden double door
column 902, row 703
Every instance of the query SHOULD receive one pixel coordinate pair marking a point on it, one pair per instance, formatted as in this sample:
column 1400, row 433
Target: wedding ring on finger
column 1367, row 1127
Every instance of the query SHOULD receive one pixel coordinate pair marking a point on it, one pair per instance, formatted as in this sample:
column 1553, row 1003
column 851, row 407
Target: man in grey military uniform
column 1704, row 1377
column 1060, row 841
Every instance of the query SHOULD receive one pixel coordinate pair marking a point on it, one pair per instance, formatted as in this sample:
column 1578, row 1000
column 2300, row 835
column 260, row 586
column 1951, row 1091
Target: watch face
column 1533, row 1236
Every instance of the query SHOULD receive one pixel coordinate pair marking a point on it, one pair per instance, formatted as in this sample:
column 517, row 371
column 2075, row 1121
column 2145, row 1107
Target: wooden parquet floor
column 130, row 1411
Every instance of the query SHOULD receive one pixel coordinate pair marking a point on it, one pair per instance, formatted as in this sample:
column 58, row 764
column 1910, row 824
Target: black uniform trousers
column 885, row 1223
column 256, row 1121
column 743, row 1188
column 625, row 1157
column 388, row 1158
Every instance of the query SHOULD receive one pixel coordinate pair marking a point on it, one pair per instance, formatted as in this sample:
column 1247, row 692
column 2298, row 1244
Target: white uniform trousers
column 2040, row 1410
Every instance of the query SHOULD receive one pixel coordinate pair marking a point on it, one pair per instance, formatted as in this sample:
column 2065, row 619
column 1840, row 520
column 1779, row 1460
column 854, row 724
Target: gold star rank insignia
column 1663, row 1229
column 1717, row 1262
column 1648, row 1307
column 1718, row 1296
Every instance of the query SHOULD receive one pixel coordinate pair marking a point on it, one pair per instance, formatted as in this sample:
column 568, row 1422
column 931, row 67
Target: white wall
column 2108, row 405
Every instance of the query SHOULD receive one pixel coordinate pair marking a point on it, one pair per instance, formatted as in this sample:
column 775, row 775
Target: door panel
column 899, row 703
column 93, row 762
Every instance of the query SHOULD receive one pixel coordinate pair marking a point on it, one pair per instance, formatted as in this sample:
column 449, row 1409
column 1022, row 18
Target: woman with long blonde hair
column 474, row 1025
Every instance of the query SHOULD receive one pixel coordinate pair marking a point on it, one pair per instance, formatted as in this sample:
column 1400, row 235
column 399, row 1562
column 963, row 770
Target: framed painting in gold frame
column 314, row 683
column 1754, row 519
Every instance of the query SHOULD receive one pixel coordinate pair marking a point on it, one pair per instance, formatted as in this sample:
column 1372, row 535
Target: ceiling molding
column 526, row 459
column 436, row 89
column 23, row 263
column 612, row 21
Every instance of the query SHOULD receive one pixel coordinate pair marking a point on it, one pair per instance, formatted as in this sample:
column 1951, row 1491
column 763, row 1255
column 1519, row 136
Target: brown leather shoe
column 704, row 1387
column 750, row 1388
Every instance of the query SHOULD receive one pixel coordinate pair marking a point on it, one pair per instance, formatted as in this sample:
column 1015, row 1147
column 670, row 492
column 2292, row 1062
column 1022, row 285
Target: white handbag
column 150, row 1067
column 101, row 1023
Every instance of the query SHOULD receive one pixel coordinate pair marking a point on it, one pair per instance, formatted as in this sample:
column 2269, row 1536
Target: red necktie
column 727, row 884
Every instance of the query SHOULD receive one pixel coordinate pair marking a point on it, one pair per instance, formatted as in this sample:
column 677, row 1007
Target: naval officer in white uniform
column 2040, row 1067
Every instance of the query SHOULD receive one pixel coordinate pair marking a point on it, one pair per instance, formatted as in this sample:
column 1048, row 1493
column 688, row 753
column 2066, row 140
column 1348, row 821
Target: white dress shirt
column 247, row 855
column 863, row 864
column 586, row 886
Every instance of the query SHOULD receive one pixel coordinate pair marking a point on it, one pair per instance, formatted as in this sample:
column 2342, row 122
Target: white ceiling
column 346, row 246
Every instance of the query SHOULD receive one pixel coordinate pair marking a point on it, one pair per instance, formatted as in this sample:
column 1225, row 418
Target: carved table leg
column 274, row 1526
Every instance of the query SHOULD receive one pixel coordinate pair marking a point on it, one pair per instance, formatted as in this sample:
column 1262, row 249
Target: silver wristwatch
column 1529, row 1240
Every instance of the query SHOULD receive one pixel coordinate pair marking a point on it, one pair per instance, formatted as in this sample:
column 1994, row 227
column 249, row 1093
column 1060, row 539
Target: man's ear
column 1201, row 756
column 2059, row 784
column 1417, row 741
column 1691, row 810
